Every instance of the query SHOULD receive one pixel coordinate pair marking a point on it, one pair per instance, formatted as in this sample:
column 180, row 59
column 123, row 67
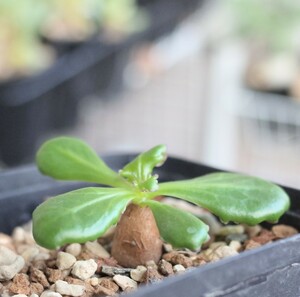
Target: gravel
column 28, row 270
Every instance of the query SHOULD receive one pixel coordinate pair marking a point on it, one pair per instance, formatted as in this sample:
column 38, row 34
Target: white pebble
column 217, row 244
column 74, row 249
column 64, row 288
column 84, row 269
column 225, row 251
column 221, row 252
column 5, row 294
column 151, row 264
column 94, row 281
column 168, row 247
column 19, row 235
column 49, row 293
column 178, row 268
column 5, row 240
column 30, row 253
column 42, row 256
column 65, row 260
column 6, row 255
column 97, row 249
column 10, row 264
column 125, row 282
column 34, row 295
column 138, row 273
column 236, row 245
column 21, row 248
column 19, row 295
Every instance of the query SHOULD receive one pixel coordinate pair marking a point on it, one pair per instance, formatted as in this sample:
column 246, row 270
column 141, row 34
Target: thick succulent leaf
column 67, row 158
column 180, row 228
column 78, row 216
column 139, row 171
column 232, row 197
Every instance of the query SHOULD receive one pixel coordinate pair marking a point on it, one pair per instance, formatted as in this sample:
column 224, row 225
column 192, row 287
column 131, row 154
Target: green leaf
column 139, row 171
column 232, row 197
column 78, row 216
column 67, row 158
column 180, row 228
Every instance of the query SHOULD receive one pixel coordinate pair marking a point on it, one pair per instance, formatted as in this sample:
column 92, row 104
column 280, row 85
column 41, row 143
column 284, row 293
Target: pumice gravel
column 86, row 270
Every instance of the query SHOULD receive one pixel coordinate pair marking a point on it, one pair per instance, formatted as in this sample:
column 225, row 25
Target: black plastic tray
column 32, row 106
column 272, row 270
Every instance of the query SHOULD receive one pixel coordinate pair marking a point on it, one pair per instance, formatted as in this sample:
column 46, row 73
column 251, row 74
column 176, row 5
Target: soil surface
column 27, row 269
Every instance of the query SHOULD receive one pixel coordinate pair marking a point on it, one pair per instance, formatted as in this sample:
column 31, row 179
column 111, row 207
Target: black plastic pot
column 165, row 15
column 272, row 117
column 33, row 106
column 61, row 47
column 272, row 270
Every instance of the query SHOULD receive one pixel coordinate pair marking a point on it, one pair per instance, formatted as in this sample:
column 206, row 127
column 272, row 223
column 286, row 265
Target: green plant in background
column 122, row 16
column 22, row 23
column 80, row 19
column 69, row 19
column 87, row 213
column 21, row 49
column 275, row 23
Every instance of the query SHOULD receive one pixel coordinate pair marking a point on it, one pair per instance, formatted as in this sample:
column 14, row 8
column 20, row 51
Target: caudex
column 87, row 213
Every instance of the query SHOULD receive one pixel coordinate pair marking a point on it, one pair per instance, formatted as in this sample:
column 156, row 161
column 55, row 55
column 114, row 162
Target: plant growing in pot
column 87, row 213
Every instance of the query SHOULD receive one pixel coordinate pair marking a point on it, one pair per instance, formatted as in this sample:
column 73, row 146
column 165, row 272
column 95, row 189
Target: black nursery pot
column 33, row 106
column 272, row 270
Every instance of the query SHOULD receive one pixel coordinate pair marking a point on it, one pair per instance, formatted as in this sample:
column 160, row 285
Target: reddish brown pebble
column 53, row 275
column 107, row 262
column 251, row 244
column 85, row 255
column 169, row 256
column 264, row 237
column 38, row 276
column 283, row 231
column 109, row 284
column 40, row 264
column 89, row 289
column 182, row 260
column 20, row 284
column 198, row 260
column 165, row 268
column 152, row 276
column 74, row 281
column 51, row 263
column 36, row 288
column 100, row 290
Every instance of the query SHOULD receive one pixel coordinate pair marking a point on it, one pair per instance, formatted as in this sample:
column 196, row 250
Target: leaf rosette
column 86, row 214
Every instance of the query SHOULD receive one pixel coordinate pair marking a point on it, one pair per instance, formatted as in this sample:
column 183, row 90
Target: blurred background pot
column 82, row 49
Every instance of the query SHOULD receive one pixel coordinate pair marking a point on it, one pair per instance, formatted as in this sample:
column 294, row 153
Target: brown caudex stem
column 137, row 239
